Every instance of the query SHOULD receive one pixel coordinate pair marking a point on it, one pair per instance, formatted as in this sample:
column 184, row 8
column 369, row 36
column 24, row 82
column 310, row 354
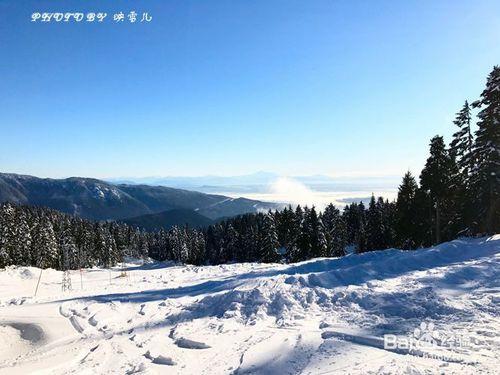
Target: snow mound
column 387, row 284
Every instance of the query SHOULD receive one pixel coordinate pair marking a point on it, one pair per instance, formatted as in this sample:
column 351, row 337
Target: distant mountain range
column 99, row 200
column 260, row 181
column 257, row 178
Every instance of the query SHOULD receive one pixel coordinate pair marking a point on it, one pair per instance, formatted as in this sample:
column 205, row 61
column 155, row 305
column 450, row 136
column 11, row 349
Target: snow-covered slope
column 426, row 311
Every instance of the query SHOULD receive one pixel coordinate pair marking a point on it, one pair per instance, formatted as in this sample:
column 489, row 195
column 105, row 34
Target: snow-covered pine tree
column 69, row 255
column 485, row 177
column 335, row 231
column 184, row 250
column 105, row 247
column 45, row 243
column 84, row 240
column 249, row 240
column 176, row 241
column 303, row 237
column 269, row 240
column 23, row 239
column 294, row 244
column 197, row 247
column 315, row 235
column 284, row 225
column 7, row 234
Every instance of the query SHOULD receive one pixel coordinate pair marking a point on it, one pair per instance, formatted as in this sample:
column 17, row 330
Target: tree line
column 458, row 194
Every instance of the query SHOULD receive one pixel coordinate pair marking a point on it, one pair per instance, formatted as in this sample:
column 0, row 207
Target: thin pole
column 38, row 283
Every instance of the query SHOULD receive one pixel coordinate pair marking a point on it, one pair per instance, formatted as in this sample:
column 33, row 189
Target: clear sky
column 232, row 87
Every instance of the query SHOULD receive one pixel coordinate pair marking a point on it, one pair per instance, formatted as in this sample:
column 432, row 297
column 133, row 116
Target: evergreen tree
column 68, row 250
column 461, row 147
column 177, row 243
column 461, row 152
column 388, row 218
column 44, row 238
column 361, row 236
column 269, row 241
column 230, row 243
column 298, row 243
column 335, row 231
column 486, row 175
column 373, row 226
column 405, row 212
column 22, row 249
column 436, row 179
column 351, row 219
column 315, row 235
column 7, row 234
column 197, row 247
column 285, row 228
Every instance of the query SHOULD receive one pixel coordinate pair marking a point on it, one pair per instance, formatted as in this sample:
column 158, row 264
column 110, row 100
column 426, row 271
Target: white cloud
column 287, row 189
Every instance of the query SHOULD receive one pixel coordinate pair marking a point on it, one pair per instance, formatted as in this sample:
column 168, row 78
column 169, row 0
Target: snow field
column 325, row 315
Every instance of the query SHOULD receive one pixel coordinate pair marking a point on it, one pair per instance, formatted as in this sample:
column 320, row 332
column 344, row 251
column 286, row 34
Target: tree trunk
column 438, row 223
column 492, row 215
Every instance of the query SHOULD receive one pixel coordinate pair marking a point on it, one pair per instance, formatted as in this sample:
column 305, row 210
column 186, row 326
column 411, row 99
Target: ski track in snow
column 323, row 316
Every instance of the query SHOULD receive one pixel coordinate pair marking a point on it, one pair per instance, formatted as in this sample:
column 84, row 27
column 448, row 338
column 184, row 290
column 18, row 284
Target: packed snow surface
column 323, row 316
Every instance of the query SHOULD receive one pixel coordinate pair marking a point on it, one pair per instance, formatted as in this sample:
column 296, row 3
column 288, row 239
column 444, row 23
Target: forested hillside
column 99, row 200
column 458, row 194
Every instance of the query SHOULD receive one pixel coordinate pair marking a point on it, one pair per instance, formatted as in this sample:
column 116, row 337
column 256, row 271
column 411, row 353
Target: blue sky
column 232, row 87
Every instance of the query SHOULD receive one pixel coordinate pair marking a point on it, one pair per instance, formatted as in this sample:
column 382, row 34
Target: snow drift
column 323, row 315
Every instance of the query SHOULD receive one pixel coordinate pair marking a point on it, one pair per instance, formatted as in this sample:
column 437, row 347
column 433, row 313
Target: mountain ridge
column 96, row 199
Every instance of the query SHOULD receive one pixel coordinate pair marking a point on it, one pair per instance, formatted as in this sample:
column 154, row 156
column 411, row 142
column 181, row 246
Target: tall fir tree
column 293, row 253
column 269, row 240
column 461, row 152
column 304, row 240
column 374, row 229
column 388, row 218
column 47, row 249
column 7, row 235
column 315, row 235
column 436, row 179
column 335, row 231
column 405, row 212
column 486, row 175
column 68, row 250
column 361, row 234
column 461, row 146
